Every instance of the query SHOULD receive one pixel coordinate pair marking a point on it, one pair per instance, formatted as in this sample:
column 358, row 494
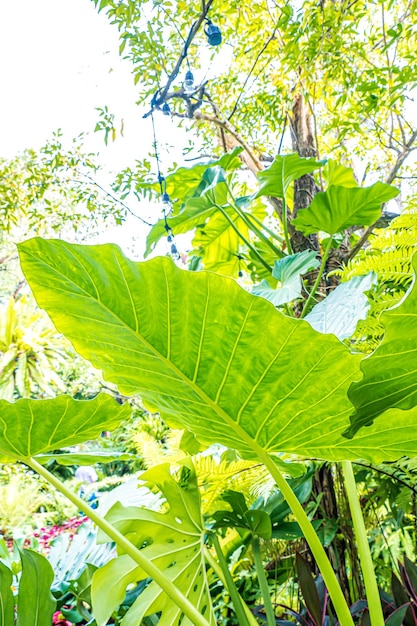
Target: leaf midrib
column 216, row 408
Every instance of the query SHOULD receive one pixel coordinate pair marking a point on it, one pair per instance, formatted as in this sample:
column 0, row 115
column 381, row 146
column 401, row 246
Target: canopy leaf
column 337, row 208
column 173, row 539
column 276, row 179
column 334, row 173
column 186, row 182
column 29, row 427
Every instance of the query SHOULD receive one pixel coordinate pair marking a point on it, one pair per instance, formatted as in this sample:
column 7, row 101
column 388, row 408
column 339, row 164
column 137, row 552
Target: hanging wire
column 166, row 200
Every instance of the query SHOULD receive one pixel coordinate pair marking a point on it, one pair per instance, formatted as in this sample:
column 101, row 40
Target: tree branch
column 408, row 148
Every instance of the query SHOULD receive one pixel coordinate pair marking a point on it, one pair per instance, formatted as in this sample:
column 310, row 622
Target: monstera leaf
column 288, row 272
column 284, row 170
column 338, row 208
column 30, row 427
column 390, row 372
column 172, row 539
column 341, row 311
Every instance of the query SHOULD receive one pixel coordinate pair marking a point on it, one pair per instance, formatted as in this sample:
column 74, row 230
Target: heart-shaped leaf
column 172, row 539
column 276, row 179
column 288, row 271
column 212, row 358
column 29, row 427
column 338, row 208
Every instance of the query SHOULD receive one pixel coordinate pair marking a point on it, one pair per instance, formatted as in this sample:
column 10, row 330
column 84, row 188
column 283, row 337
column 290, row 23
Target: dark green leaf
column 36, row 604
column 308, row 590
column 6, row 596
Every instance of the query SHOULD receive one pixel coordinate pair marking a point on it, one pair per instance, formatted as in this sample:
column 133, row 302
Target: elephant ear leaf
column 172, row 539
column 389, row 374
column 212, row 358
column 189, row 344
column 30, row 427
column 341, row 311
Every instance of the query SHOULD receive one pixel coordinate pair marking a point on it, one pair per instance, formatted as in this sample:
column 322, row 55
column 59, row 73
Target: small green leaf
column 36, row 604
column 276, row 179
column 288, row 272
column 336, row 209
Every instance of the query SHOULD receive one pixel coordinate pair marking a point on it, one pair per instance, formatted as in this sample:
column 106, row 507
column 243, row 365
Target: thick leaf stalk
column 339, row 602
column 263, row 582
column 318, row 279
column 230, row 584
column 371, row 586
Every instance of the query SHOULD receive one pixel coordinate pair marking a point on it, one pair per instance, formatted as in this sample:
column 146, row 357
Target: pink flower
column 59, row 620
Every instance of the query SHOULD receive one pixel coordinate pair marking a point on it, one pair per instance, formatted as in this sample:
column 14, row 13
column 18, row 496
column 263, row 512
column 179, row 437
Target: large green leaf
column 288, row 272
column 30, row 427
column 211, row 357
column 341, row 311
column 339, row 207
column 36, row 604
column 6, row 596
column 276, row 179
column 389, row 378
column 172, row 539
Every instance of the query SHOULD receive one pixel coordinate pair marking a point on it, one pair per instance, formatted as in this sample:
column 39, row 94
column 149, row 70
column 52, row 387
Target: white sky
column 58, row 62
